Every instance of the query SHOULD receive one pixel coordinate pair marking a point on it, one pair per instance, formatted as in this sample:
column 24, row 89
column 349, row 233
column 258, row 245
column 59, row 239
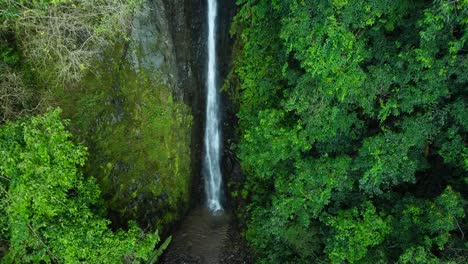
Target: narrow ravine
column 208, row 234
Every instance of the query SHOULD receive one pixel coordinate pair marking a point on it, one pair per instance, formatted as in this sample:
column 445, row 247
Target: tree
column 353, row 127
column 14, row 97
column 61, row 39
column 51, row 212
column 53, row 42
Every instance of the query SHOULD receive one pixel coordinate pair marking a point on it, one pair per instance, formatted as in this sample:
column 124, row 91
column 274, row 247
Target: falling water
column 213, row 177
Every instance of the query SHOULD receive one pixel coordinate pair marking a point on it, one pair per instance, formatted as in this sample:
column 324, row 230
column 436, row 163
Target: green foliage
column 8, row 56
column 353, row 126
column 47, row 204
column 418, row 255
column 428, row 223
column 15, row 97
column 61, row 39
column 53, row 43
column 353, row 232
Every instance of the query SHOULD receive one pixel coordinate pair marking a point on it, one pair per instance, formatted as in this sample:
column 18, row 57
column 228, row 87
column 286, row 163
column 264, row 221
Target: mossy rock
column 138, row 138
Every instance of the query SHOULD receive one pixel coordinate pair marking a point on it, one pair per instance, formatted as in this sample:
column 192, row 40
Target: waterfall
column 213, row 177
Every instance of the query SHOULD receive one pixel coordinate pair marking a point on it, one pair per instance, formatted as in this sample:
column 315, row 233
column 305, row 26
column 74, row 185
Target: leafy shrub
column 50, row 212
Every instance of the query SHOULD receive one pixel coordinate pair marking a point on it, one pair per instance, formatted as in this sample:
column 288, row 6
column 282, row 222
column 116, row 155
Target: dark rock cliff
column 188, row 27
column 141, row 112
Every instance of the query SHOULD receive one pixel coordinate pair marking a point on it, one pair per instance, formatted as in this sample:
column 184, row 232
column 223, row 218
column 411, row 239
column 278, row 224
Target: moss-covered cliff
column 130, row 112
column 130, row 77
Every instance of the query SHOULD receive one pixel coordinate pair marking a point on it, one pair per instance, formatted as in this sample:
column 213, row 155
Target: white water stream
column 213, row 177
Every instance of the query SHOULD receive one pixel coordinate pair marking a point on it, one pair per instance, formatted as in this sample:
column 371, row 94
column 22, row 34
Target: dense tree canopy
column 353, row 129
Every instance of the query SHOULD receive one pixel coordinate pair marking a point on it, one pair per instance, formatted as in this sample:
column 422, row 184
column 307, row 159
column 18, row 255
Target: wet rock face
column 149, row 47
column 133, row 114
column 174, row 25
column 232, row 172
column 145, row 129
column 187, row 24
column 148, row 176
column 227, row 11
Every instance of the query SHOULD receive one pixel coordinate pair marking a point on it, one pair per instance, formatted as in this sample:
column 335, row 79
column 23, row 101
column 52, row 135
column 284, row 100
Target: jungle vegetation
column 352, row 132
column 53, row 206
column 50, row 212
column 352, row 129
